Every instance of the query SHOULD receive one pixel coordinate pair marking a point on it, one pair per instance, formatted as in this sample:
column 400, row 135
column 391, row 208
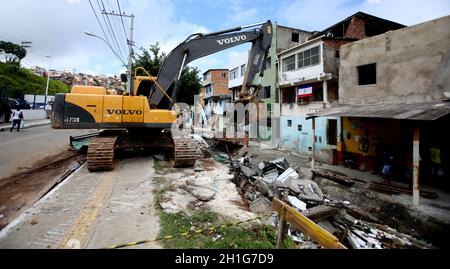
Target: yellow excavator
column 145, row 118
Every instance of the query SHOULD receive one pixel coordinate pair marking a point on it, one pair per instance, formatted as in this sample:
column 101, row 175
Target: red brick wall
column 219, row 80
column 356, row 29
column 335, row 43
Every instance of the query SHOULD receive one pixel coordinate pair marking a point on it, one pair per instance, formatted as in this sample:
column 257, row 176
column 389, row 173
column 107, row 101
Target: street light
column 99, row 37
column 48, row 79
column 118, row 57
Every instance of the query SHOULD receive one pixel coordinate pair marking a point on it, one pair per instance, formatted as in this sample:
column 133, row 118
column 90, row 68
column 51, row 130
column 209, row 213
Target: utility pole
column 130, row 47
column 48, row 79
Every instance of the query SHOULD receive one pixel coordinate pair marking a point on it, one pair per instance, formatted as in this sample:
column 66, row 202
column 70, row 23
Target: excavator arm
column 200, row 45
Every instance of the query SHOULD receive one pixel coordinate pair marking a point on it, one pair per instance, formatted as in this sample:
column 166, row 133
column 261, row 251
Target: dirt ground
column 23, row 189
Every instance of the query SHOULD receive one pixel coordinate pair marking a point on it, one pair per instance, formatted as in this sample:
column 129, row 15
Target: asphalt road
column 91, row 210
column 20, row 150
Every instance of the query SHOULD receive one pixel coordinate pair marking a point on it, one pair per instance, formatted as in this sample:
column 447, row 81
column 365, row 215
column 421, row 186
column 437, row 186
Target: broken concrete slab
column 202, row 193
column 283, row 184
column 309, row 191
column 247, row 171
column 261, row 205
column 261, row 186
column 294, row 187
column 297, row 203
column 270, row 176
column 281, row 163
column 202, row 188
column 178, row 201
column 289, row 173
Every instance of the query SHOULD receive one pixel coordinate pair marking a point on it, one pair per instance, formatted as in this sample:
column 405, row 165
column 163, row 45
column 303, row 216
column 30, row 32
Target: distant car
column 23, row 104
column 18, row 103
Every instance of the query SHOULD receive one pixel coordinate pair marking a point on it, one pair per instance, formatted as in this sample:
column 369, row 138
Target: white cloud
column 319, row 14
column 57, row 28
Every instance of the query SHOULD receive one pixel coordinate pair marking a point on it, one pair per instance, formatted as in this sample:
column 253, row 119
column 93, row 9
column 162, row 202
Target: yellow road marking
column 91, row 210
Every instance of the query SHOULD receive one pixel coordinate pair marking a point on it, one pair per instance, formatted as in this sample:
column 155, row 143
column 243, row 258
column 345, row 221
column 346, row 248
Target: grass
column 158, row 166
column 234, row 237
column 22, row 81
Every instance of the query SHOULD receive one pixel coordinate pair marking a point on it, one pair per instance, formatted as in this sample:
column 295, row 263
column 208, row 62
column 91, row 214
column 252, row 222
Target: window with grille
column 308, row 57
column 289, row 63
column 234, row 73
column 242, row 70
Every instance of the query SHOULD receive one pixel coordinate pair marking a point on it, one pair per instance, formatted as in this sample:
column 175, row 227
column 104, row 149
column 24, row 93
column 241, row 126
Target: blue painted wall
column 301, row 141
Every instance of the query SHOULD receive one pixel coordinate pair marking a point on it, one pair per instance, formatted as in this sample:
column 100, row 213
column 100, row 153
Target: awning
column 428, row 111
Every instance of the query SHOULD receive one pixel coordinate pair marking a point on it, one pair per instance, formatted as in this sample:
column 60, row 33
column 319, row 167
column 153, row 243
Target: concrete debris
column 284, row 180
column 202, row 193
column 248, row 172
column 178, row 201
column 202, row 188
column 309, row 191
column 270, row 176
column 260, row 182
column 202, row 145
column 261, row 205
column 297, row 203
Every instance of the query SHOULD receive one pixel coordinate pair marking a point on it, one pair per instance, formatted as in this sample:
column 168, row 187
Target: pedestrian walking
column 17, row 118
column 48, row 109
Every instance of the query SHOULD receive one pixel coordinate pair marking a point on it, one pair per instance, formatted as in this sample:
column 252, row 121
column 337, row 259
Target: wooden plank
column 282, row 227
column 416, row 158
column 343, row 180
column 307, row 226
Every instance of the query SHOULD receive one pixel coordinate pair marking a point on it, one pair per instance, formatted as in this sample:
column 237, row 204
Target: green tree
column 152, row 60
column 190, row 85
column 12, row 53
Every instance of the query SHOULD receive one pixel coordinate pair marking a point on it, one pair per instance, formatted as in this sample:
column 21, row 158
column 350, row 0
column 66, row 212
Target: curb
column 29, row 125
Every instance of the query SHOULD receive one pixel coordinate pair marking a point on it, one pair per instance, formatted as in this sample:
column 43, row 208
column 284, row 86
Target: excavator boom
column 200, row 45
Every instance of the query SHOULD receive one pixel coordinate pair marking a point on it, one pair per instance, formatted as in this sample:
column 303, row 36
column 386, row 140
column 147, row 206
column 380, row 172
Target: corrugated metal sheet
column 415, row 111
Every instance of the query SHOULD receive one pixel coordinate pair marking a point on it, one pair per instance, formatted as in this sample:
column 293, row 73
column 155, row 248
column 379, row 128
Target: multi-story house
column 308, row 82
column 216, row 96
column 394, row 92
column 283, row 38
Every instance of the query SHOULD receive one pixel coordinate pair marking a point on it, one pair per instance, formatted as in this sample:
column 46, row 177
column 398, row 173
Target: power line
column 106, row 24
column 99, row 23
column 104, row 13
column 121, row 18
column 107, row 40
column 116, row 21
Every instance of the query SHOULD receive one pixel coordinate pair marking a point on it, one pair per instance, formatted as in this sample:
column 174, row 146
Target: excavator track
column 185, row 152
column 100, row 155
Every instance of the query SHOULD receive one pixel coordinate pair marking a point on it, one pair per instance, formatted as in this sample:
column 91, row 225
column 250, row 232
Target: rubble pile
column 259, row 183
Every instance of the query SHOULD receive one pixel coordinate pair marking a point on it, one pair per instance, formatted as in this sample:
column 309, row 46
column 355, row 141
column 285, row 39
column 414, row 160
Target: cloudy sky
column 56, row 27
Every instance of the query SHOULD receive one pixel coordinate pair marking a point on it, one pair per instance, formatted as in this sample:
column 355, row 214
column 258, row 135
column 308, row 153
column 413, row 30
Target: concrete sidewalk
column 28, row 124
